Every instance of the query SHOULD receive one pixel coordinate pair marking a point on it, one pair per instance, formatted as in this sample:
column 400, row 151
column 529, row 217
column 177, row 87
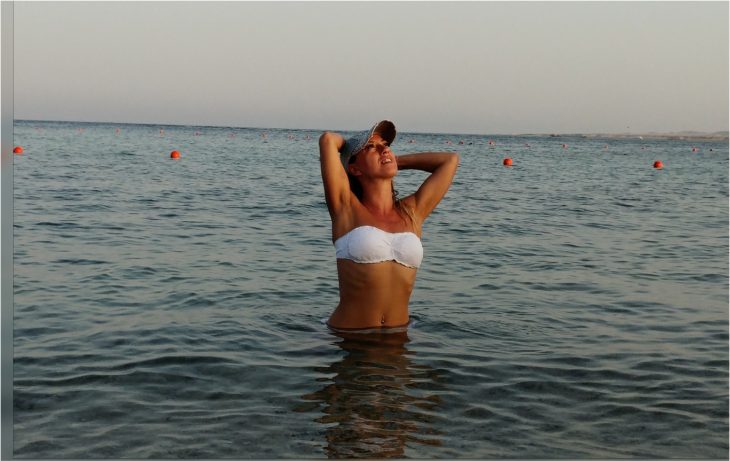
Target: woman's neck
column 378, row 197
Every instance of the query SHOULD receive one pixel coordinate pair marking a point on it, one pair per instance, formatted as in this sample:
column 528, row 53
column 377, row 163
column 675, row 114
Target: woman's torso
column 374, row 293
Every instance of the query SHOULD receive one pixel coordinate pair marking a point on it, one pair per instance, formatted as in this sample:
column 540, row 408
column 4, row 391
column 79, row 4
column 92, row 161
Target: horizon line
column 725, row 133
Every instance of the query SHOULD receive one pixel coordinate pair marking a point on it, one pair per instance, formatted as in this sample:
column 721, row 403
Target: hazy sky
column 467, row 67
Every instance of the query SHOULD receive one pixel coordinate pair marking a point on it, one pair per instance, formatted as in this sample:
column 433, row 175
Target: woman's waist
column 373, row 301
column 361, row 314
column 373, row 294
column 378, row 299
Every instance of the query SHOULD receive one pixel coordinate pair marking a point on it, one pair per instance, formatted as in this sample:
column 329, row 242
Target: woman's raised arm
column 336, row 185
column 442, row 166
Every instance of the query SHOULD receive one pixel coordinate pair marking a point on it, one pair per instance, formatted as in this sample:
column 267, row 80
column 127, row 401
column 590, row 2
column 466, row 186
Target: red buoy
column 658, row 164
column 18, row 150
column 174, row 154
column 507, row 162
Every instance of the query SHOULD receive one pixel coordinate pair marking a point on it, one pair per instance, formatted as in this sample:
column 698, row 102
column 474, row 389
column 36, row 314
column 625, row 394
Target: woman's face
column 375, row 159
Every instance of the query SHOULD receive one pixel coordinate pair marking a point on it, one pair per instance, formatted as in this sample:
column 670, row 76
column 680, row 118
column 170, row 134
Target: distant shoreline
column 720, row 136
column 681, row 136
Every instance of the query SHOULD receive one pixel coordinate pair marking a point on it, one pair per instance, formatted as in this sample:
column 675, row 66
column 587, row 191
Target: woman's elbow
column 325, row 141
column 325, row 137
column 330, row 138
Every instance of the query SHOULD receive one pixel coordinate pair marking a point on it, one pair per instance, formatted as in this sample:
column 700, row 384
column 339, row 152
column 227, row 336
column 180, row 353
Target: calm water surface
column 574, row 305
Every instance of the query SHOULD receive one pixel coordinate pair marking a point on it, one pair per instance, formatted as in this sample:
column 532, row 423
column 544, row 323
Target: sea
column 573, row 305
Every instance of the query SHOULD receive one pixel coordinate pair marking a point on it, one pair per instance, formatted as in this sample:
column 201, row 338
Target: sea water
column 573, row 305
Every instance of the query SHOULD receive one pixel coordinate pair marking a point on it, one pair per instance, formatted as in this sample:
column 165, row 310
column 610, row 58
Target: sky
column 451, row 67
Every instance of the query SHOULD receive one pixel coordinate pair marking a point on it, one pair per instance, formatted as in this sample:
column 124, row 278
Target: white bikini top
column 368, row 244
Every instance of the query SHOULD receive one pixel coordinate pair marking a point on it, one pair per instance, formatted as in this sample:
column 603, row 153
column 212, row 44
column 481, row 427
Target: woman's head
column 357, row 154
column 373, row 160
column 355, row 144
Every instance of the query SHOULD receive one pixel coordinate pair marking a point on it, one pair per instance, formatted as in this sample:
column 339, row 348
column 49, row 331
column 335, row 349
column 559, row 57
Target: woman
column 376, row 235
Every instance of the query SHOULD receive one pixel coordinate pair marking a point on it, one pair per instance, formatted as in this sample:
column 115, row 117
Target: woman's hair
column 403, row 211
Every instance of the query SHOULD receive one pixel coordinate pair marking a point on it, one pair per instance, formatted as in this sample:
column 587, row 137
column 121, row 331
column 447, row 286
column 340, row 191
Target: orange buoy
column 18, row 150
column 507, row 162
column 174, row 154
column 658, row 165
